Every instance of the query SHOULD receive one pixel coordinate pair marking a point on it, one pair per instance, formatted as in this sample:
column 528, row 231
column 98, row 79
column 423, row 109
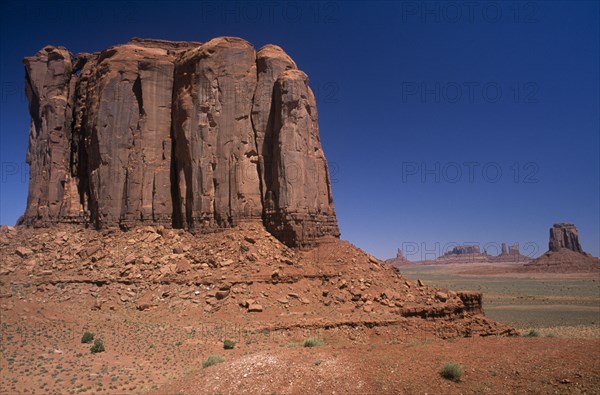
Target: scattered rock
column 23, row 252
column 183, row 265
column 221, row 294
column 441, row 296
column 226, row 263
column 255, row 308
column 565, row 381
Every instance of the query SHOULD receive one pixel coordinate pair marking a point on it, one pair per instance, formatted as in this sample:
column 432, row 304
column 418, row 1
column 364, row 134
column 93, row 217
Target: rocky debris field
column 161, row 299
column 225, row 275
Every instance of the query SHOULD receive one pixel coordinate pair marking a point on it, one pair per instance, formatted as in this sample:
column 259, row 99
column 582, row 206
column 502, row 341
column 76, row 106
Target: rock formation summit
column 564, row 236
column 199, row 136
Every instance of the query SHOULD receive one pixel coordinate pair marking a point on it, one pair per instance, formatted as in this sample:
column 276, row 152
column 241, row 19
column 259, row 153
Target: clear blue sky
column 421, row 105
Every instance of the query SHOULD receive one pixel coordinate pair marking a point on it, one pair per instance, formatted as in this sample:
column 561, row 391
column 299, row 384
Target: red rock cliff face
column 216, row 158
column 191, row 135
column 52, row 193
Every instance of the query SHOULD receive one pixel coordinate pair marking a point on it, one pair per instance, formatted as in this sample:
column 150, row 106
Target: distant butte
column 565, row 253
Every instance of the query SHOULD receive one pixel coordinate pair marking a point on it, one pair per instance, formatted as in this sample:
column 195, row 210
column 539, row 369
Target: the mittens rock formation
column 182, row 134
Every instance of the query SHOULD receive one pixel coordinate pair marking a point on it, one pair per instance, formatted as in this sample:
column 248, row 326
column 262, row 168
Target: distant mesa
column 464, row 250
column 565, row 253
column 467, row 254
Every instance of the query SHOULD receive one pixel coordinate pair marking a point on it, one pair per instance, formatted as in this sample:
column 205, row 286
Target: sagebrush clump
column 452, row 371
column 212, row 360
column 313, row 342
column 228, row 344
column 97, row 347
column 87, row 337
column 532, row 333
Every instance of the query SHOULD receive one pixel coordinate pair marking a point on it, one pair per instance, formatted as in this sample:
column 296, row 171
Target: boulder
column 255, row 308
column 23, row 252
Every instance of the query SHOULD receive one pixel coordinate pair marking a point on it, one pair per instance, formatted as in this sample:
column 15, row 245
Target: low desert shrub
column 212, row 360
column 228, row 344
column 313, row 342
column 87, row 337
column 532, row 333
column 97, row 347
column 452, row 371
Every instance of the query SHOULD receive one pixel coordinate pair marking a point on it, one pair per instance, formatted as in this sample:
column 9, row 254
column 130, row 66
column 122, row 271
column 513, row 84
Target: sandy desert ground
column 159, row 329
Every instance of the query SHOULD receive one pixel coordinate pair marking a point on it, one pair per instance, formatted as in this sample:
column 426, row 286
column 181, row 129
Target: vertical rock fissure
column 154, row 219
column 137, row 91
column 268, row 144
column 176, row 220
column 76, row 151
column 124, row 200
column 215, row 211
column 259, row 162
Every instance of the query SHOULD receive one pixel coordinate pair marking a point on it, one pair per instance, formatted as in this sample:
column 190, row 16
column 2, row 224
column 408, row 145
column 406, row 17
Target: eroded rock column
column 299, row 202
column 128, row 136
column 52, row 194
column 216, row 156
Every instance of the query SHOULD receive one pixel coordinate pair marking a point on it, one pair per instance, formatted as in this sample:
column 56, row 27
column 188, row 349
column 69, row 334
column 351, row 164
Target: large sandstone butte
column 564, row 253
column 180, row 134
